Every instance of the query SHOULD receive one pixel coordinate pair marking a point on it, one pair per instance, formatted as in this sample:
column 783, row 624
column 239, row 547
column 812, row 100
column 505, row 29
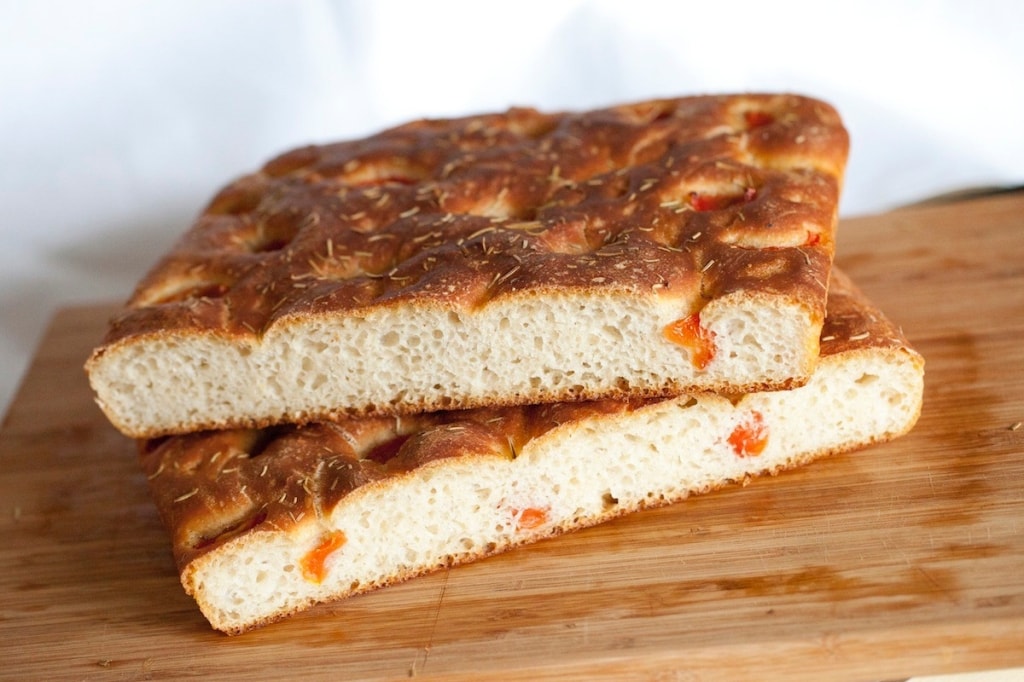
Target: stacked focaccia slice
column 516, row 258
column 268, row 522
column 479, row 332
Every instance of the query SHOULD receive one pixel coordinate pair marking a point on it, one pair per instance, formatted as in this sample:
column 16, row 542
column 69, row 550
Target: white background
column 118, row 120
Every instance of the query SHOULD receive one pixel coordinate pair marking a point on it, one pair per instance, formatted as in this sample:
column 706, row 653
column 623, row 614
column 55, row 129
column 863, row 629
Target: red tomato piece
column 750, row 436
column 688, row 333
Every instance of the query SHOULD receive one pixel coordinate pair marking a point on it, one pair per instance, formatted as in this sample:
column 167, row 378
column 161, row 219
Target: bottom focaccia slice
column 265, row 523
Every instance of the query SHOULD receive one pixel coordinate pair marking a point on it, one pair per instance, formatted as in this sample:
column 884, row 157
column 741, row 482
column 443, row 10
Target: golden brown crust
column 853, row 322
column 691, row 198
column 211, row 487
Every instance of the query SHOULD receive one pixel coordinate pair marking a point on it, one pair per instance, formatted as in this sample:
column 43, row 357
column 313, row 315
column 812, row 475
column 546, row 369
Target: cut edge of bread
column 409, row 358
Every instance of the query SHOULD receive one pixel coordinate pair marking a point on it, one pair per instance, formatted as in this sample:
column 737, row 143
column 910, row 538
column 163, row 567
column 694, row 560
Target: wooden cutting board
column 903, row 559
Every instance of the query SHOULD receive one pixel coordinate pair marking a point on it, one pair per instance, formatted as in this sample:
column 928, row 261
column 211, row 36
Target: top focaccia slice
column 516, row 258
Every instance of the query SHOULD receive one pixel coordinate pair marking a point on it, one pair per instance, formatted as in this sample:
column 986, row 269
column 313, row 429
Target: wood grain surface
column 900, row 560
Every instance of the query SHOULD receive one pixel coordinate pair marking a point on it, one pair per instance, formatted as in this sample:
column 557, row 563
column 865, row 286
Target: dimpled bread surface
column 264, row 523
column 641, row 250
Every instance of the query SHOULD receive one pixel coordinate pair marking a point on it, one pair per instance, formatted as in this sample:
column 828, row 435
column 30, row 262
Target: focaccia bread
column 265, row 523
column 515, row 258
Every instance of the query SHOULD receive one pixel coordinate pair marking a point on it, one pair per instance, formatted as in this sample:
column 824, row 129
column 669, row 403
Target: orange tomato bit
column 699, row 341
column 313, row 568
column 531, row 518
column 750, row 436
